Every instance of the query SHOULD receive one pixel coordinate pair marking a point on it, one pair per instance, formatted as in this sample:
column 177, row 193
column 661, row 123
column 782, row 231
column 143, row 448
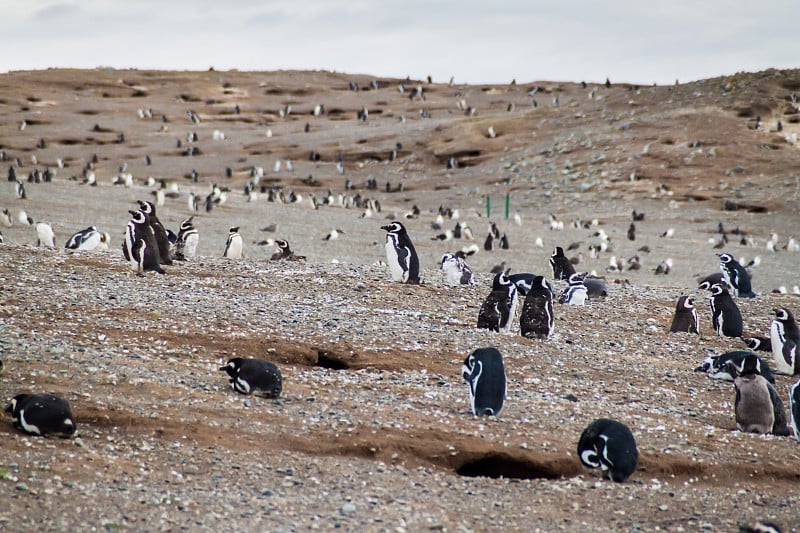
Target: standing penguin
column 139, row 246
column 610, row 446
column 234, row 246
column 46, row 236
column 400, row 254
column 685, row 319
column 456, row 270
column 794, row 409
column 484, row 372
column 785, row 342
column 186, row 244
column 575, row 293
column 736, row 276
column 498, row 310
column 42, row 414
column 536, row 320
column 254, row 376
column 726, row 317
column 758, row 406
column 562, row 268
column 162, row 240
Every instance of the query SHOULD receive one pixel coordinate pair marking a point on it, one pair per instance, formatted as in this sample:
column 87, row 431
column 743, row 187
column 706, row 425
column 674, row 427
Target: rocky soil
column 373, row 431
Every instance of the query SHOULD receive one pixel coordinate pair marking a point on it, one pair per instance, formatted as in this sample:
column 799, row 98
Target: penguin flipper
column 779, row 427
column 789, row 352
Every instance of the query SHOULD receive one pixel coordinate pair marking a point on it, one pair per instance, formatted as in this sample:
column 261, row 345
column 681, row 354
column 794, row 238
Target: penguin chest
column 398, row 259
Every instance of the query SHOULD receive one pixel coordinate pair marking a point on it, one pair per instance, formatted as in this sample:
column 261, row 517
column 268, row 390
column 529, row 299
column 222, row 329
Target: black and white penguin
column 536, row 320
column 736, row 276
column 139, row 246
column 160, row 232
column 484, row 372
column 595, row 287
column 42, row 414
column 794, row 409
column 6, row 219
column 456, row 270
column 400, row 254
column 705, row 283
column 254, row 376
column 610, row 446
column 685, row 318
column 785, row 342
column 716, row 366
column 186, row 243
column 759, row 344
column 726, row 317
column 20, row 190
column 758, row 406
column 575, row 292
column 86, row 239
column 562, row 268
column 284, row 252
column 234, row 246
column 500, row 307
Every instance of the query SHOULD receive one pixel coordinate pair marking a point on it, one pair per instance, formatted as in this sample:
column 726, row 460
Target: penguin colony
column 604, row 444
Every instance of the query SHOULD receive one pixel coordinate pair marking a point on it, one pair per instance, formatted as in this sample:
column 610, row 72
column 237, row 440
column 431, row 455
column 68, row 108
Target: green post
column 508, row 203
column 488, row 207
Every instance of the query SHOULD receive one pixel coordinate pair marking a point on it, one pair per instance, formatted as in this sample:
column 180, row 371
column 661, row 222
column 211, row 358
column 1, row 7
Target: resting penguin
column 759, row 344
column 86, row 239
column 162, row 240
column 716, row 366
column 785, row 342
column 400, row 254
column 456, row 270
column 42, row 414
column 562, row 268
column 575, row 293
column 758, row 406
column 726, row 317
column 254, row 376
column 536, row 320
column 485, row 374
column 685, row 319
column 500, row 307
column 609, row 445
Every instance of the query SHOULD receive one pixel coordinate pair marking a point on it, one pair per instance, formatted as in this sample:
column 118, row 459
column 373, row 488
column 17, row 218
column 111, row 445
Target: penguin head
column 187, row 224
column 282, row 244
column 541, row 282
column 147, row 207
column 686, row 302
column 717, row 289
column 782, row 314
column 138, row 217
column 394, row 227
column 232, row 368
column 233, row 230
column 558, row 252
column 468, row 366
column 577, row 277
column 725, row 258
column 501, row 281
column 749, row 365
column 704, row 286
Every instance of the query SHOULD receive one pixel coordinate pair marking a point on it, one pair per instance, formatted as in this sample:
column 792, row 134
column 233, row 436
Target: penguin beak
column 132, row 212
column 385, row 228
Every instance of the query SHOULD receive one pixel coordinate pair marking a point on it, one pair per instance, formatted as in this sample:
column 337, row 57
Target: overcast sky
column 641, row 41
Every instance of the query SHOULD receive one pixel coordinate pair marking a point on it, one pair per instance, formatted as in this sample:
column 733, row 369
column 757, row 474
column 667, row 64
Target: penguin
column 500, row 307
column 162, row 241
column 685, row 318
column 595, row 288
column 758, row 407
column 24, row 218
column 536, row 320
column 456, row 270
column 794, row 409
column 484, row 372
column 6, row 219
column 284, row 252
column 139, row 246
column 716, row 366
column 736, row 276
column 761, row 527
column 488, row 244
column 523, row 281
column 186, row 243
column 759, row 344
column 400, row 254
column 726, row 317
column 562, row 268
column 42, row 414
column 632, row 232
column 234, row 246
column 706, row 282
column 575, row 293
column 254, row 376
column 86, row 239
column 785, row 339
column 46, row 237
column 20, row 189
column 610, row 446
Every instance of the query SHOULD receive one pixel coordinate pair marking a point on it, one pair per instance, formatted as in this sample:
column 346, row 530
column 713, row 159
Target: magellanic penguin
column 717, row 367
column 400, row 254
column 610, row 446
column 159, row 231
column 484, row 372
column 562, row 268
column 45, row 235
column 42, row 414
column 759, row 408
column 186, row 245
column 726, row 317
column 285, row 252
column 736, row 276
column 456, row 270
column 759, row 344
column 685, row 319
column 761, row 527
column 86, row 239
column 785, row 342
column 139, row 246
column 500, row 307
column 575, row 293
column 254, row 376
column 234, row 246
column 536, row 320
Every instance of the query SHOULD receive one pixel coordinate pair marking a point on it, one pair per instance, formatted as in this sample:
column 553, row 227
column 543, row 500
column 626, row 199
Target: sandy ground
column 373, row 431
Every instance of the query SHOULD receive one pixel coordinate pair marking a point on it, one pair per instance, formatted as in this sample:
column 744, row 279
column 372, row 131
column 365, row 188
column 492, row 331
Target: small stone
column 347, row 509
column 22, row 486
column 191, row 470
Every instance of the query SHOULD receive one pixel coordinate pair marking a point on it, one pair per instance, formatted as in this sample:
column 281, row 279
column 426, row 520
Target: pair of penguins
column 148, row 245
column 45, row 414
column 605, row 443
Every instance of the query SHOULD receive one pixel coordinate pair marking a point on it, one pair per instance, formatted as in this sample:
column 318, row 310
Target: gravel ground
column 373, row 430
